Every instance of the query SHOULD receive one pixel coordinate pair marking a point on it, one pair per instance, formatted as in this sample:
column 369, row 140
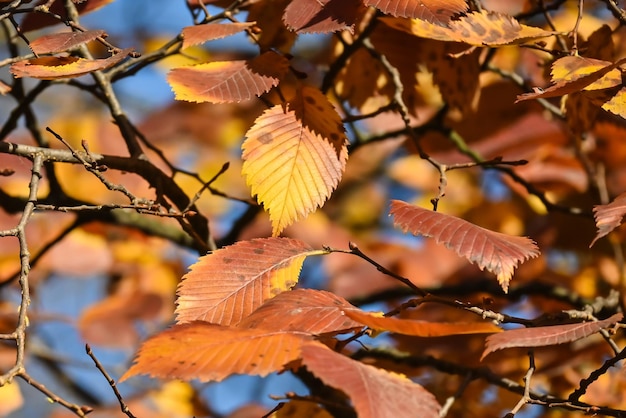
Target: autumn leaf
column 617, row 104
column 543, row 336
column 228, row 81
column 294, row 157
column 573, row 67
column 210, row 352
column 54, row 68
column 60, row 42
column 321, row 16
column 420, row 328
column 434, row 11
column 37, row 20
column 227, row 285
column 476, row 28
column 304, row 310
column 609, row 216
column 199, row 34
column 295, row 408
column 375, row 393
column 498, row 253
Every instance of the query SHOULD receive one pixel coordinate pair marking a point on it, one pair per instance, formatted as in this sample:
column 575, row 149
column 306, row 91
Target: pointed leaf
column 498, row 253
column 573, row 67
column 228, row 81
column 294, row 157
column 617, row 104
column 199, row 34
column 53, row 68
column 60, row 42
column 305, row 310
column 321, row 16
column 229, row 284
column 210, row 352
column 420, row 328
column 434, row 11
column 375, row 393
column 542, row 336
column 609, row 216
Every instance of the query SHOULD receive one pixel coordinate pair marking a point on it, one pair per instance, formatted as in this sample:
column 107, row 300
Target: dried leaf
column 543, row 336
column 54, row 68
column 434, row 11
column 420, row 328
column 476, row 28
column 304, row 310
column 294, row 157
column 199, row 34
column 228, row 81
column 572, row 67
column 37, row 20
column 375, row 393
column 498, row 253
column 229, row 284
column 210, row 352
column 321, row 16
column 60, row 42
column 609, row 216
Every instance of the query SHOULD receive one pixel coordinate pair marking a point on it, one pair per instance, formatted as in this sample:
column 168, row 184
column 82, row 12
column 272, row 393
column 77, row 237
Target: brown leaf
column 210, row 352
column 375, row 393
column 434, row 11
column 229, row 284
column 60, row 42
column 199, row 34
column 542, row 336
column 54, row 68
column 36, row 20
column 321, row 16
column 304, row 310
column 609, row 216
column 420, row 328
column 228, row 81
column 498, row 253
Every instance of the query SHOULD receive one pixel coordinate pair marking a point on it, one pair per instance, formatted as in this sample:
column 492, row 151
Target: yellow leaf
column 294, row 157
column 572, row 67
column 617, row 104
column 10, row 398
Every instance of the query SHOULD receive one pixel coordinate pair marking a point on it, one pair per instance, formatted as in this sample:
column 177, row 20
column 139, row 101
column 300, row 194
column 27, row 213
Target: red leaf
column 229, row 284
column 498, row 253
column 315, row 16
column 435, row 11
column 35, row 20
column 375, row 393
column 608, row 217
column 542, row 336
column 194, row 35
column 59, row 42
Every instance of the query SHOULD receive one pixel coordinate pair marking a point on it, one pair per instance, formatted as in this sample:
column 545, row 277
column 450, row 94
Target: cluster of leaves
column 425, row 98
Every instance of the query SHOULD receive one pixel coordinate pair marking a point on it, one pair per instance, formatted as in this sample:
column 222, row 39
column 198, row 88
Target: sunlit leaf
column 543, row 336
column 609, row 216
column 320, row 16
column 229, row 284
column 435, row 11
column 420, row 328
column 617, row 104
column 53, row 68
column 304, row 310
column 476, row 28
column 498, row 253
column 294, row 157
column 573, row 67
column 210, row 352
column 59, row 42
column 228, row 81
column 375, row 393
column 198, row 34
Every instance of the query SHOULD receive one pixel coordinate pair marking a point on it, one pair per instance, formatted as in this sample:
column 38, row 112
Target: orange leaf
column 573, row 67
column 229, row 284
column 542, row 336
column 228, row 81
column 59, row 42
column 499, row 253
column 617, row 104
column 477, row 28
column 53, row 68
column 320, row 16
column 609, row 216
column 210, row 352
column 294, row 157
column 435, row 11
column 375, row 393
column 420, row 328
column 194, row 35
column 304, row 310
